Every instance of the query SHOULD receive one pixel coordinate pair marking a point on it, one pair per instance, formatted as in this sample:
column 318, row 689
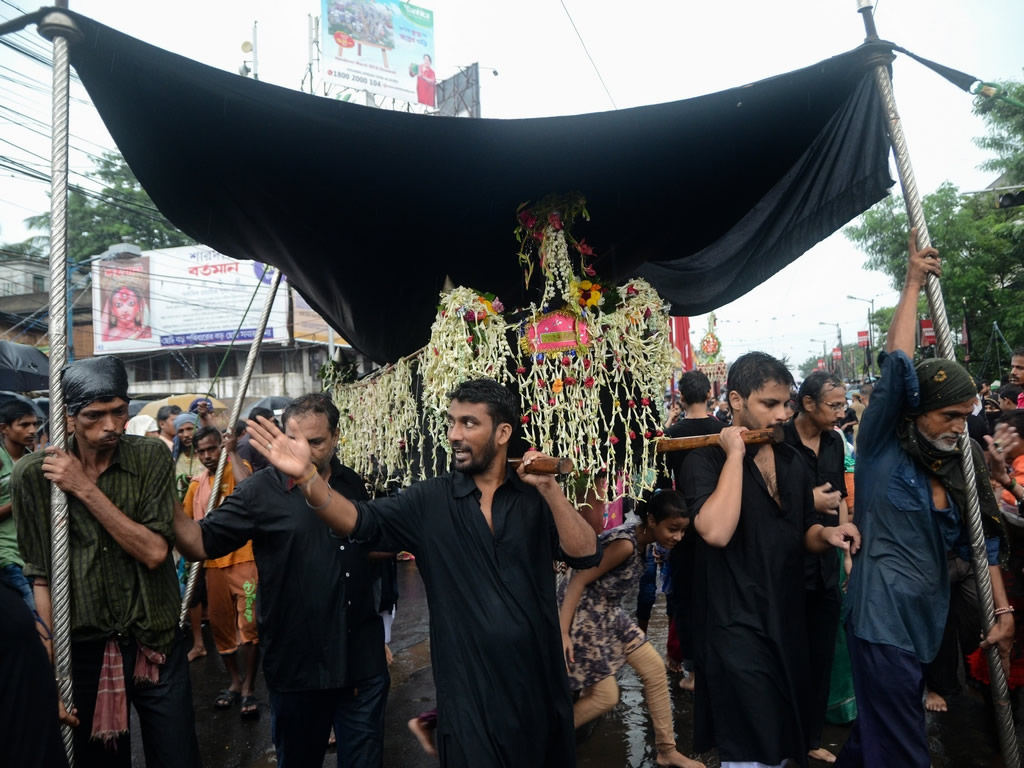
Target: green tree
column 982, row 247
column 120, row 211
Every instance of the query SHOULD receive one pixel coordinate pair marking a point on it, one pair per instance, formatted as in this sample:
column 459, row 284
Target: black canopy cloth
column 366, row 210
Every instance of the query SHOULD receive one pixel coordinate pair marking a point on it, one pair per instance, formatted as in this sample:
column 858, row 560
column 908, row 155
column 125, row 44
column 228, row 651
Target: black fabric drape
column 366, row 211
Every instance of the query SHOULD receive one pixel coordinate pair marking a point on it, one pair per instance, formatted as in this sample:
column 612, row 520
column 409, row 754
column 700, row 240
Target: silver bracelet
column 326, row 501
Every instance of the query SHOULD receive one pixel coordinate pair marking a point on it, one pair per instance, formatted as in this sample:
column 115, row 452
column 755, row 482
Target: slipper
column 250, row 708
column 226, row 699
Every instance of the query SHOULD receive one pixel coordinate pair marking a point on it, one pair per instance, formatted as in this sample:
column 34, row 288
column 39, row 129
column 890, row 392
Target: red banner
column 862, row 338
column 680, row 330
column 927, row 333
column 837, row 353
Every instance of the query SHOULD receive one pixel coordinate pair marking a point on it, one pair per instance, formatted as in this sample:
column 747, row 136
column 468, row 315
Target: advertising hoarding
column 180, row 297
column 382, row 46
column 307, row 325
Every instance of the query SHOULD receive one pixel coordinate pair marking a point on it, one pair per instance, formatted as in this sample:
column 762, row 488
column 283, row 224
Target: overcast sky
column 647, row 51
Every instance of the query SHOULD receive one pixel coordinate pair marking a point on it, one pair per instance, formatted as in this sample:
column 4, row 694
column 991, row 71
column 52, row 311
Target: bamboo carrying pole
column 751, row 437
column 236, row 412
column 979, row 558
column 549, row 465
column 61, row 30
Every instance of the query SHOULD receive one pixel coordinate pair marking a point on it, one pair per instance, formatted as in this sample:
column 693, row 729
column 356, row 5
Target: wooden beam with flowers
column 590, row 361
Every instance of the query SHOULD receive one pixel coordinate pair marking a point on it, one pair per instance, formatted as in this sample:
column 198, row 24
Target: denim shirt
column 899, row 587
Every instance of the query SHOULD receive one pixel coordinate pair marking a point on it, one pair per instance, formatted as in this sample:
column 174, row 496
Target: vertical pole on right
column 944, row 342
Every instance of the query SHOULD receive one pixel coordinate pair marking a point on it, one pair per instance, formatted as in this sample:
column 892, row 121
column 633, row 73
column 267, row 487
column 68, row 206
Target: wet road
column 964, row 737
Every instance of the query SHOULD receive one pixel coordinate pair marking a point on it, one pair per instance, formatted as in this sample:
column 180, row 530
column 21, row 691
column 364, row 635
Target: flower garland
column 590, row 366
column 381, row 429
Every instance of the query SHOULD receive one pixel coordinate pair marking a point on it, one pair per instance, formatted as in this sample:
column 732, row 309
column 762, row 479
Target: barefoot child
column 599, row 635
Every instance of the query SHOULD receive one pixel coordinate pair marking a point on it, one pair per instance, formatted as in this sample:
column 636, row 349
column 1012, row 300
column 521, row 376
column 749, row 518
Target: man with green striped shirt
column 124, row 592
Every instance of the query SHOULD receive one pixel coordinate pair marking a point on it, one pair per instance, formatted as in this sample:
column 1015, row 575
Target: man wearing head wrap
column 185, row 463
column 911, row 502
column 125, row 642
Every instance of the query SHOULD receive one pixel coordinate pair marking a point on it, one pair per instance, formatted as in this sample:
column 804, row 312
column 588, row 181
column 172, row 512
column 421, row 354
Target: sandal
column 227, row 698
column 250, row 708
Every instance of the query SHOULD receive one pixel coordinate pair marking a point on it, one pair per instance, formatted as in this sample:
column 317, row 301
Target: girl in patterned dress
column 600, row 635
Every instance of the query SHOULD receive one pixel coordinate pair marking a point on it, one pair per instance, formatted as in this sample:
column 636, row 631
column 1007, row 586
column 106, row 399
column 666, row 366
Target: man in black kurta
column 820, row 405
column 754, row 513
column 484, row 539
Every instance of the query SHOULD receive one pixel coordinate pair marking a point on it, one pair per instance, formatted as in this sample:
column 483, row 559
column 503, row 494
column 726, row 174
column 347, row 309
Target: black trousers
column 164, row 709
column 962, row 633
column 822, row 608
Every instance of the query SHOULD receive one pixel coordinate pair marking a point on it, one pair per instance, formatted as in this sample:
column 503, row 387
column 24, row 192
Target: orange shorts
column 231, row 605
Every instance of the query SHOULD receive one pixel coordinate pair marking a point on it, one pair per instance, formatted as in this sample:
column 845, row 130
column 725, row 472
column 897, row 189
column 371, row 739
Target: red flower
column 647, row 434
column 555, row 220
column 589, row 382
column 520, row 370
column 589, row 271
column 526, row 418
column 659, row 433
column 568, row 380
column 584, row 249
column 436, row 352
column 586, row 363
column 632, row 435
column 647, row 313
column 527, row 219
column 631, row 291
column 645, row 401
column 631, row 403
column 469, row 339
column 534, row 407
column 566, row 361
column 551, row 401
column 540, row 384
column 613, row 439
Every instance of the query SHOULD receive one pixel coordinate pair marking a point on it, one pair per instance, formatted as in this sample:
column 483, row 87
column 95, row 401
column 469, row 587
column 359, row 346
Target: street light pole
column 824, row 357
column 839, row 337
column 871, row 332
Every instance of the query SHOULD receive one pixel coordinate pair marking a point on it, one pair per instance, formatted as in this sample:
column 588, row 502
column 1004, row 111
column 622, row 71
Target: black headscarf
column 91, row 379
column 944, row 383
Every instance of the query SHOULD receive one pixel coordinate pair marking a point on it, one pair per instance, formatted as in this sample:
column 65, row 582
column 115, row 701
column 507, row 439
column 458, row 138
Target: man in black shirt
column 754, row 515
column 484, row 538
column 322, row 638
column 821, row 404
column 695, row 389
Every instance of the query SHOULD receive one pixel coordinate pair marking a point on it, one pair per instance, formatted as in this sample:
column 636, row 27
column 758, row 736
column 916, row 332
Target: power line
column 592, row 62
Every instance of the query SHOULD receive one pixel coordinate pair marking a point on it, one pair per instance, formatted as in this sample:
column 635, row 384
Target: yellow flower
column 940, row 376
column 556, row 386
column 586, row 285
column 594, row 299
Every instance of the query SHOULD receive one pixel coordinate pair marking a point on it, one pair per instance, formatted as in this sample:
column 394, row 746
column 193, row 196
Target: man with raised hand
column 911, row 499
column 484, row 537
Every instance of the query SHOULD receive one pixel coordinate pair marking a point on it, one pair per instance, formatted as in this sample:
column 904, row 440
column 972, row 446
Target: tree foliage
column 982, row 247
column 120, row 212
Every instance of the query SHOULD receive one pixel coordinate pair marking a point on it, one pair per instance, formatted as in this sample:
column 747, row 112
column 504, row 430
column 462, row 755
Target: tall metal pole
column 236, row 413
column 61, row 30
column 944, row 339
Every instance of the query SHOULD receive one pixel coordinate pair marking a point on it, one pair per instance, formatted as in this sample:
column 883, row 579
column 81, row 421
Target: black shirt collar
column 463, row 485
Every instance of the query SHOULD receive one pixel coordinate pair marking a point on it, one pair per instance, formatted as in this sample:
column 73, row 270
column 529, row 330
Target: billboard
column 382, row 46
column 307, row 325
column 180, row 297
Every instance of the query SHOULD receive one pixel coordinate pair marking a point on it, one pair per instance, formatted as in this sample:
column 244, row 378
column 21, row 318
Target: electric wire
column 592, row 62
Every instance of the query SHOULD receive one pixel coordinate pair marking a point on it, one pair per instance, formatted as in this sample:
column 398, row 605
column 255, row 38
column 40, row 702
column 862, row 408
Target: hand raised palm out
column 291, row 455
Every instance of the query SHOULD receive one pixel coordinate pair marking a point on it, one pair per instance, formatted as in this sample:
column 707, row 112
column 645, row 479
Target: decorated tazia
column 590, row 361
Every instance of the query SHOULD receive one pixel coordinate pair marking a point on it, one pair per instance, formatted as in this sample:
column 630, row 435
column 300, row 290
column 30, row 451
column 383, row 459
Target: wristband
column 1007, row 609
column 1011, row 485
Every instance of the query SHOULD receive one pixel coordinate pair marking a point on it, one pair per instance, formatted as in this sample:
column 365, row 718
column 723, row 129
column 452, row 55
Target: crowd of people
column 824, row 576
